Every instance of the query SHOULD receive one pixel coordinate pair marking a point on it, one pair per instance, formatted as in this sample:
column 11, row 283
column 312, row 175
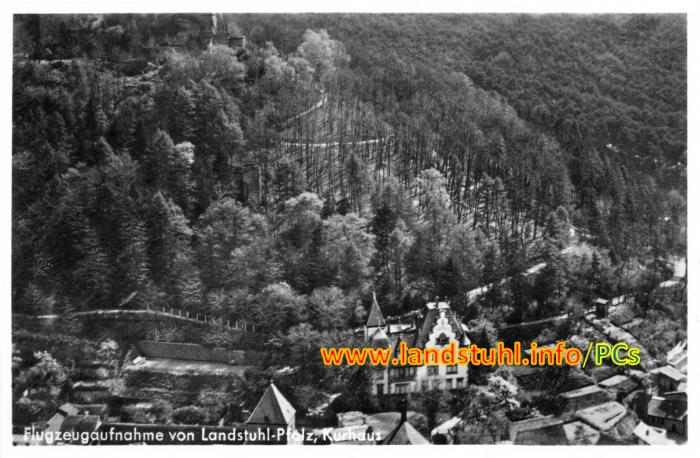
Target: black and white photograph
column 346, row 228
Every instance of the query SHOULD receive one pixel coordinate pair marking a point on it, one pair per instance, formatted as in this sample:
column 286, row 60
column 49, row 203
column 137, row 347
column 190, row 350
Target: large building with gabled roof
column 435, row 327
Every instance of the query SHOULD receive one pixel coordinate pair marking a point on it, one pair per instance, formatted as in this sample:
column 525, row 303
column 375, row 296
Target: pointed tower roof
column 405, row 434
column 375, row 318
column 273, row 408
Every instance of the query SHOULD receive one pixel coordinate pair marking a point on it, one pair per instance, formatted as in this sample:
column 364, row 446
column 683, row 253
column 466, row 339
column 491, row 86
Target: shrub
column 162, row 410
column 138, row 413
column 189, row 415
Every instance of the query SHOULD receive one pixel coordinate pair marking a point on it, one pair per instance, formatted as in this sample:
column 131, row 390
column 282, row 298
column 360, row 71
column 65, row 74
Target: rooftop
column 650, row 435
column 273, row 408
column 81, row 423
column 582, row 392
column 579, row 433
column 603, row 416
column 667, row 408
column 532, row 424
column 539, row 431
column 375, row 318
column 670, row 372
column 405, row 434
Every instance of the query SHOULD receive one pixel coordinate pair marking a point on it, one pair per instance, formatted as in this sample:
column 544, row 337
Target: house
column 669, row 412
column 619, row 385
column 54, row 423
column 612, row 419
column 585, row 397
column 538, row 431
column 668, row 378
column 81, row 424
column 649, row 435
column 436, row 328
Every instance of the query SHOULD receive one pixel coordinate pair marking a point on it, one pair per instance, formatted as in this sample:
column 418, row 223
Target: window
column 460, row 382
column 401, row 388
column 425, row 385
column 380, row 388
column 433, row 370
column 452, row 369
column 442, row 340
column 402, row 372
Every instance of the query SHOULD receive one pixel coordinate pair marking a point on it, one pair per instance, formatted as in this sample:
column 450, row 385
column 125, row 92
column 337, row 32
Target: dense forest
column 417, row 157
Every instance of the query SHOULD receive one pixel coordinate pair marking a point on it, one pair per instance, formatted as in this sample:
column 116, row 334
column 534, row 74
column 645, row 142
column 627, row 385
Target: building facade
column 436, row 327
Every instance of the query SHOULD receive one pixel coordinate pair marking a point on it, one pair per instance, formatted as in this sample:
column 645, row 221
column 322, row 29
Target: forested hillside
column 283, row 180
column 589, row 80
column 610, row 89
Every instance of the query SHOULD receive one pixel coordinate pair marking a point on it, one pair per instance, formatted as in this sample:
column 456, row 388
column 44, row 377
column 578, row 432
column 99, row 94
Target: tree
column 233, row 246
column 347, row 251
column 277, row 308
column 483, row 334
column 330, row 309
column 429, row 252
column 551, row 284
column 171, row 257
column 324, row 55
column 189, row 415
column 38, row 390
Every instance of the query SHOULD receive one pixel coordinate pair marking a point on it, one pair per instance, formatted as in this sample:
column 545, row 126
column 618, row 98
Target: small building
column 669, row 412
column 81, row 424
column 538, row 431
column 649, row 435
column 612, row 419
column 585, row 397
column 236, row 41
column 54, row 423
column 619, row 385
column 668, row 378
column 602, row 307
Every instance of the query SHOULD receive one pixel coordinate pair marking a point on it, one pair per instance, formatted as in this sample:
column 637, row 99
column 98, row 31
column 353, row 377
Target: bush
column 162, row 410
column 137, row 413
column 189, row 415
column 213, row 405
column 26, row 411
